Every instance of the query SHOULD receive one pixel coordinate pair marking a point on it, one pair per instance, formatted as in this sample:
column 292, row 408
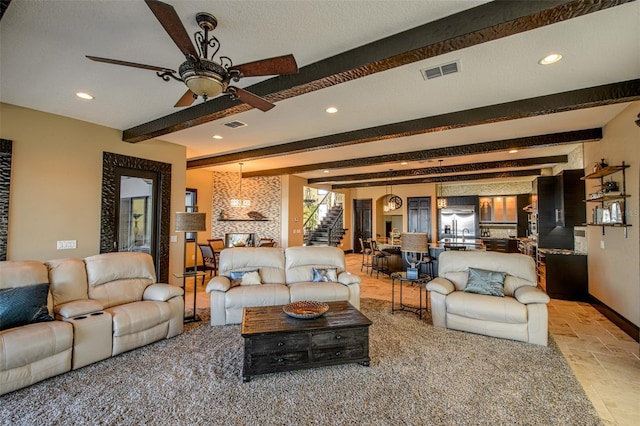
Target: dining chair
column 208, row 259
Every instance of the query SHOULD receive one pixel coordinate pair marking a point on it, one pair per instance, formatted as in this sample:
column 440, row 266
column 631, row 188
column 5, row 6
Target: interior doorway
column 361, row 223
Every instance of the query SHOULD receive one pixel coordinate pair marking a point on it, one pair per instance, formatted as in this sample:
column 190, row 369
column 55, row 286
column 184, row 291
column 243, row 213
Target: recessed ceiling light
column 216, row 137
column 331, row 110
column 550, row 59
column 404, row 163
column 326, row 171
column 513, row 151
column 83, row 95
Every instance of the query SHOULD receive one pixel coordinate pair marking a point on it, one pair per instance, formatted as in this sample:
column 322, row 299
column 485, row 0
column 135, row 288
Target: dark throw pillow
column 24, row 305
column 481, row 281
column 325, row 275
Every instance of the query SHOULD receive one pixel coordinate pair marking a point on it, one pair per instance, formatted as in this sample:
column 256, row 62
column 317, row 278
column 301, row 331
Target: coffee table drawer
column 280, row 343
column 347, row 337
column 274, row 362
column 334, row 354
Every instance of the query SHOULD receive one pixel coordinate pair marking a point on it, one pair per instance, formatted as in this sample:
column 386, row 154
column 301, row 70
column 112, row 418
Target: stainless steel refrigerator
column 455, row 221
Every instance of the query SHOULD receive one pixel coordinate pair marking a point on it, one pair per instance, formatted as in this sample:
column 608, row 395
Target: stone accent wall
column 575, row 161
column 489, row 188
column 265, row 194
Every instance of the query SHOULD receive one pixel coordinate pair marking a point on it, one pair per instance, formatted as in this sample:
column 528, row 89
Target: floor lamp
column 190, row 222
column 413, row 245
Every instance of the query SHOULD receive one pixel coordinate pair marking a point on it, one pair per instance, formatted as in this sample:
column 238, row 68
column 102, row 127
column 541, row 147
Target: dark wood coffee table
column 275, row 342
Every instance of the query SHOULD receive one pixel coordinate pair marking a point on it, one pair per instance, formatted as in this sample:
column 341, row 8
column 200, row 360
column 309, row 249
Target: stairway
column 330, row 231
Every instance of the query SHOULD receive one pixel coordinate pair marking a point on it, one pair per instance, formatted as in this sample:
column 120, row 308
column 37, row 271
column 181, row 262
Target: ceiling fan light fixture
column 204, row 78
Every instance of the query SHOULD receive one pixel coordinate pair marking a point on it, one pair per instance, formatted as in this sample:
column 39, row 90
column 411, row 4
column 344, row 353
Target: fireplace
column 239, row 239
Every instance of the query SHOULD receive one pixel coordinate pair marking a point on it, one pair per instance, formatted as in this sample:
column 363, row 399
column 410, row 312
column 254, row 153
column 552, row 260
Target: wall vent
column 440, row 70
column 235, row 124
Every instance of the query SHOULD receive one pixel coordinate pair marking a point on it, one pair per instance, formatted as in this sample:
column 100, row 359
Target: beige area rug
column 419, row 375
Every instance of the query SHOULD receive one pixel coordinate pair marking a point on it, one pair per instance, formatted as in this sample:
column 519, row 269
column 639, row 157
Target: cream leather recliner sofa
column 285, row 276
column 520, row 315
column 103, row 305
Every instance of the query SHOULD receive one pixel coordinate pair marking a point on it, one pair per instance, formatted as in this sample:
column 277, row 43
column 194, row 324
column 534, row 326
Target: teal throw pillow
column 24, row 305
column 325, row 275
column 481, row 281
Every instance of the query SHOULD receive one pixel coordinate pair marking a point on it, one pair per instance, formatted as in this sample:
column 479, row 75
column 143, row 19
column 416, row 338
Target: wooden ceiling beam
column 438, row 179
column 608, row 94
column 441, row 170
column 576, row 136
column 481, row 24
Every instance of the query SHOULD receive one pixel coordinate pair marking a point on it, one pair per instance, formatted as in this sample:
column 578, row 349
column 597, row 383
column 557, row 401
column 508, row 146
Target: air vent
column 235, row 124
column 440, row 70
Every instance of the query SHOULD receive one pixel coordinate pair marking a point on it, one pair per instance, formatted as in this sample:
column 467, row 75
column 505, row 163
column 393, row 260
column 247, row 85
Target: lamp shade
column 415, row 242
column 190, row 222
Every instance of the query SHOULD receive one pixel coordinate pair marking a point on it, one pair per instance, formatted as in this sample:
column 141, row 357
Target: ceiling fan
column 203, row 76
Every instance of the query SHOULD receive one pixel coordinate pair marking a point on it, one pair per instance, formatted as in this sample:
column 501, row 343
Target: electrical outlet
column 601, row 244
column 65, row 245
column 174, row 238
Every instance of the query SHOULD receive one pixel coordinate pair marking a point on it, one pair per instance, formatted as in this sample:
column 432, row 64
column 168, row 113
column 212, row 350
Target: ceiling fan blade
column 186, row 99
column 171, row 23
column 249, row 98
column 279, row 65
column 130, row 64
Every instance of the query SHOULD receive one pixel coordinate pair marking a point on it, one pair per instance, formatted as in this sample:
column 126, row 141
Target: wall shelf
column 622, row 196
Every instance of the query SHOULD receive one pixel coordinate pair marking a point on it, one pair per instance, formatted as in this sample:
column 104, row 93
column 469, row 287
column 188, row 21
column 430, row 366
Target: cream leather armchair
column 520, row 315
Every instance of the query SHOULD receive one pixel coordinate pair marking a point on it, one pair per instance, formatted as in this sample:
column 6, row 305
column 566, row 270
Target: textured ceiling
column 598, row 48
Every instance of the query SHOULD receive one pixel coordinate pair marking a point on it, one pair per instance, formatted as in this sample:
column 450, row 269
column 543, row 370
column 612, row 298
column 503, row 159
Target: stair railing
column 331, row 199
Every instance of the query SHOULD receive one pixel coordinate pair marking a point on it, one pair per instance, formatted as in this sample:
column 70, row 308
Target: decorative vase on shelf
column 603, row 164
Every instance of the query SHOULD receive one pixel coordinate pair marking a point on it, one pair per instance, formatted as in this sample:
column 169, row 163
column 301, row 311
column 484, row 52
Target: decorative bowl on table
column 305, row 309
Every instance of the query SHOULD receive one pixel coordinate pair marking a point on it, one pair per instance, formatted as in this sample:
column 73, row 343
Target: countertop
column 565, row 252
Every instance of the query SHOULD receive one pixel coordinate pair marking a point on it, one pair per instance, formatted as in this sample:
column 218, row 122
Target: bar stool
column 379, row 261
column 366, row 255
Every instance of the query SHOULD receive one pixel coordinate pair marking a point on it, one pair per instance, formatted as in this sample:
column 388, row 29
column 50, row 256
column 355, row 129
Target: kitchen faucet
column 463, row 231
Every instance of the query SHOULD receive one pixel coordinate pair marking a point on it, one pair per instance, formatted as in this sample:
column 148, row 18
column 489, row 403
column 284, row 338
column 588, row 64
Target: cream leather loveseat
column 520, row 315
column 284, row 276
column 100, row 306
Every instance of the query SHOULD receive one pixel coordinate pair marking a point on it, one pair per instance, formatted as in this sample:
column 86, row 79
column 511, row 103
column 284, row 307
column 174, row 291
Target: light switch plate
column 601, row 244
column 66, row 244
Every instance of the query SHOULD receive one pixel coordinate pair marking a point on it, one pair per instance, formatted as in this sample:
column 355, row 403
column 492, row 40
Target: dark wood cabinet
column 564, row 276
column 559, row 208
column 523, row 201
column 569, row 194
column 503, row 245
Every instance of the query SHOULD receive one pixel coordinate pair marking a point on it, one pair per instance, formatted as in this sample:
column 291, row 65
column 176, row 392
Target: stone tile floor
column 605, row 360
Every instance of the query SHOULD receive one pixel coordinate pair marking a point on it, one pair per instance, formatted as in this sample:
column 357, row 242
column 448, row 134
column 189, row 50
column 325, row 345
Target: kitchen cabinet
column 523, row 202
column 615, row 218
column 569, row 191
column 503, row 245
column 498, row 209
column 558, row 207
column 563, row 275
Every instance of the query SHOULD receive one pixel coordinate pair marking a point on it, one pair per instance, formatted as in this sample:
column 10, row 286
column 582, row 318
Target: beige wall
column 200, row 180
column 614, row 271
column 292, row 206
column 56, row 182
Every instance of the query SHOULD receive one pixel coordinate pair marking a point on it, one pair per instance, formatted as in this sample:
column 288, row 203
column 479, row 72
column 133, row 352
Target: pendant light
column 239, row 201
column 442, row 202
